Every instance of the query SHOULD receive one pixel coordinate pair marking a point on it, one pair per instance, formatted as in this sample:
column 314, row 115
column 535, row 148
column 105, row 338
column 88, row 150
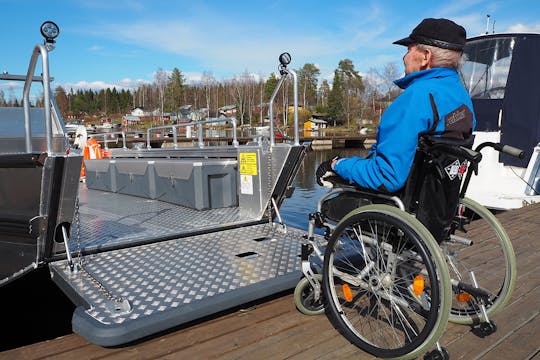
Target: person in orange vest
column 91, row 151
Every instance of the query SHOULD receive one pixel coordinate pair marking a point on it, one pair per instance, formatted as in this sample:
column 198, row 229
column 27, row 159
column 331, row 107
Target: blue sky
column 124, row 42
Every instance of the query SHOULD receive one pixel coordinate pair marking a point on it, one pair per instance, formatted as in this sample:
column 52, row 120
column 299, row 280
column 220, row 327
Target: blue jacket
column 389, row 161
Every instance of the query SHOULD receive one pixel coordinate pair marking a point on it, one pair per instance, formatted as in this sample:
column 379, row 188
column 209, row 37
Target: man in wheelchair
column 404, row 250
column 434, row 107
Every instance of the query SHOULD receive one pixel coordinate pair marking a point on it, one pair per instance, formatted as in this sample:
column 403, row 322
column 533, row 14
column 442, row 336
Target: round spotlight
column 49, row 30
column 285, row 59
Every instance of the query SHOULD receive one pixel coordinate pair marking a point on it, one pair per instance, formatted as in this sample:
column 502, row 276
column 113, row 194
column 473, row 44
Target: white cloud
column 11, row 85
column 232, row 47
column 126, row 84
column 96, row 48
column 518, row 28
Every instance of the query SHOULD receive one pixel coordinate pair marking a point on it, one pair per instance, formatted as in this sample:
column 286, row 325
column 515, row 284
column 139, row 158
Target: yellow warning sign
column 248, row 163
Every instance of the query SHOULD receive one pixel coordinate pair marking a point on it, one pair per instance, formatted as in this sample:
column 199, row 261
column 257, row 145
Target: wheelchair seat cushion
column 337, row 207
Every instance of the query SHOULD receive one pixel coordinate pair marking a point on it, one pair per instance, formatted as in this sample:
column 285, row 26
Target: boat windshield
column 485, row 71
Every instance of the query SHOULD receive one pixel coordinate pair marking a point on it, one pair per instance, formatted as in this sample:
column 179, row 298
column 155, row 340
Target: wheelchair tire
column 304, row 297
column 490, row 255
column 370, row 265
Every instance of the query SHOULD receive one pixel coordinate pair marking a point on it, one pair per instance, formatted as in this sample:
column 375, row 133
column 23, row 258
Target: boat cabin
column 503, row 80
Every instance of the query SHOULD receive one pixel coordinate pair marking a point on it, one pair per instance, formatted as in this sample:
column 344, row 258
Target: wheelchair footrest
column 437, row 354
column 484, row 329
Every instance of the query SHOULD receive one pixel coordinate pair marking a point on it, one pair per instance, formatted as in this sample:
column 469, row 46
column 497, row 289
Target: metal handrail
column 105, row 141
column 38, row 50
column 284, row 73
column 199, row 125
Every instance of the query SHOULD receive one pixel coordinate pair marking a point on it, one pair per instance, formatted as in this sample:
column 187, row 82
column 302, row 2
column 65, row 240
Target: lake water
column 295, row 210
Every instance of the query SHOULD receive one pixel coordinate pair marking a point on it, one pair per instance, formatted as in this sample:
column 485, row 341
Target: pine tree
column 174, row 91
column 335, row 98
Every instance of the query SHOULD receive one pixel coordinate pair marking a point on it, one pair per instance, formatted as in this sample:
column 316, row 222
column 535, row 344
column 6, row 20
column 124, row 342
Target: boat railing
column 107, row 138
column 45, row 79
column 284, row 60
column 43, row 50
column 199, row 125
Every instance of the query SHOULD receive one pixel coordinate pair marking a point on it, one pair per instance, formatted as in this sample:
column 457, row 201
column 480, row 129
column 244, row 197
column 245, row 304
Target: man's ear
column 426, row 59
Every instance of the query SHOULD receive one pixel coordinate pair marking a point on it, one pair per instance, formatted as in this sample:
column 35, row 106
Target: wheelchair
column 391, row 269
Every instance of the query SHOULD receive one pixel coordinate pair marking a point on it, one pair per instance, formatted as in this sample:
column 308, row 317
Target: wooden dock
column 274, row 329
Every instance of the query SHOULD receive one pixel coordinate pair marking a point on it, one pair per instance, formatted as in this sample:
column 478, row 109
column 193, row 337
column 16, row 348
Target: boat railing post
column 175, row 137
column 38, row 50
column 148, row 146
column 46, row 96
column 285, row 60
column 235, row 138
column 295, row 99
column 200, row 134
column 271, row 107
column 124, row 145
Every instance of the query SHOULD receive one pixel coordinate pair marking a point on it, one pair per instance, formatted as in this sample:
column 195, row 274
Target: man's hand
column 325, row 171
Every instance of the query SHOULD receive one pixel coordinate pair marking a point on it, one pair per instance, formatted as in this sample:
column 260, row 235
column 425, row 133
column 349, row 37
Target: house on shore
column 315, row 124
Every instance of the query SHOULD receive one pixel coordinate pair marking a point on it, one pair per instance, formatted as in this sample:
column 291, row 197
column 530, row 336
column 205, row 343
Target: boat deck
column 109, row 219
column 274, row 329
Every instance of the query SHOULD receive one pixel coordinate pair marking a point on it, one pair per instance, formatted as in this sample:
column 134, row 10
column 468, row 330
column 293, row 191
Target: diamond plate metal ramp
column 127, row 294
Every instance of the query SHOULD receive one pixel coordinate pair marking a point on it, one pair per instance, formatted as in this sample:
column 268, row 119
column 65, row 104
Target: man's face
column 414, row 60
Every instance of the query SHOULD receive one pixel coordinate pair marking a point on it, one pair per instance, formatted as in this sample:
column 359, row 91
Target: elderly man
column 432, row 91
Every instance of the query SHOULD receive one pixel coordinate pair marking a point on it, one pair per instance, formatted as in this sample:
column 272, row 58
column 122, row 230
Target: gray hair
column 443, row 57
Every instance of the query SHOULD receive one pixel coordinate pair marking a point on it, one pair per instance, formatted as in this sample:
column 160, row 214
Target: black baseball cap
column 442, row 33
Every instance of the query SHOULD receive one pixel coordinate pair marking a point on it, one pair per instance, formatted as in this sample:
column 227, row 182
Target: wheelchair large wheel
column 386, row 283
column 479, row 244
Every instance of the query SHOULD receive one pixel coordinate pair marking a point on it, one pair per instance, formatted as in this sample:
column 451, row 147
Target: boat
column 503, row 80
column 155, row 237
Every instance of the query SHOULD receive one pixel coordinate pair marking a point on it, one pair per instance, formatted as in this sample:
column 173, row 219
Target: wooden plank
column 525, row 342
column 243, row 337
column 202, row 333
column 46, row 348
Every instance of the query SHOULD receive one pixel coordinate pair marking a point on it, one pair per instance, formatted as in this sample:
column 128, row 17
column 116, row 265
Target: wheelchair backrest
column 433, row 187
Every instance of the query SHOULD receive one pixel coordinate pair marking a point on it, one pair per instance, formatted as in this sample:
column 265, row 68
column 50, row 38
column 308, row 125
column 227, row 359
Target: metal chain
column 109, row 295
column 78, row 232
column 270, row 180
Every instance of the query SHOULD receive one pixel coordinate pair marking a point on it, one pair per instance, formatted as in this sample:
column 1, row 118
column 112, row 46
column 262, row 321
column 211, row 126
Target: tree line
column 349, row 97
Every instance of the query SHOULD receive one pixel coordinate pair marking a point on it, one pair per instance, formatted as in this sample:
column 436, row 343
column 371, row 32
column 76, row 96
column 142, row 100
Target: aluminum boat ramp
column 155, row 237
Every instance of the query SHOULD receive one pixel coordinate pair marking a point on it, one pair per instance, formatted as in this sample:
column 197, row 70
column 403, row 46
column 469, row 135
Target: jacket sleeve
column 390, row 163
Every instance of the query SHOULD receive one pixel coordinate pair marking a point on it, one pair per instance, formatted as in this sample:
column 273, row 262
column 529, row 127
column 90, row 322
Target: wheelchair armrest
column 457, row 147
column 461, row 151
column 473, row 156
column 340, row 183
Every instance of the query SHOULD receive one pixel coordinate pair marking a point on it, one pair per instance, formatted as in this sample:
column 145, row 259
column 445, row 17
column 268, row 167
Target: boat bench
column 195, row 183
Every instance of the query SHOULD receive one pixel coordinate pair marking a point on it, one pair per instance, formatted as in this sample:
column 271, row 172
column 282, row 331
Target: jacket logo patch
column 456, row 169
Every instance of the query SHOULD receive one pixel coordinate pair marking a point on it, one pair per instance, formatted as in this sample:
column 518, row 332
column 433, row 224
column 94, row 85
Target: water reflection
column 296, row 209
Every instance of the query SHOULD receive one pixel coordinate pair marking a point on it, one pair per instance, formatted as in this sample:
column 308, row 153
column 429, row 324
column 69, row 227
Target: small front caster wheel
column 484, row 329
column 304, row 297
